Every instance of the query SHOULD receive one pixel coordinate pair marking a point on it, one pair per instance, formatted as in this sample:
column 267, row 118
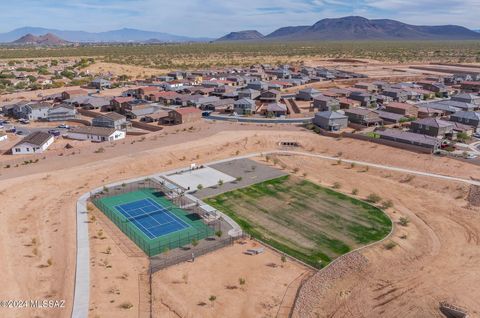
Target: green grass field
column 309, row 222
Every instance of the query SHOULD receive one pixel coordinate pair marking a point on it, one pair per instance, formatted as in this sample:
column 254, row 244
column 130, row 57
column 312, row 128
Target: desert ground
column 437, row 260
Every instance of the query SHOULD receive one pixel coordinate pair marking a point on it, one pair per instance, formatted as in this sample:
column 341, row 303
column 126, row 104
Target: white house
column 36, row 142
column 96, row 134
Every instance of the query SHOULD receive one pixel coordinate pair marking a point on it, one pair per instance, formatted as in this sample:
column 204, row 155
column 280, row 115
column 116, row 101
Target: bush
column 126, row 305
column 403, row 221
column 390, row 245
column 373, row 198
column 337, row 185
column 387, row 204
column 355, row 191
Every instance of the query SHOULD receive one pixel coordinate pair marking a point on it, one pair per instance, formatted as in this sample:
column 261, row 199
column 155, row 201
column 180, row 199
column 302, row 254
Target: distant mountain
column 247, row 35
column 359, row 28
column 122, row 35
column 286, row 31
column 48, row 39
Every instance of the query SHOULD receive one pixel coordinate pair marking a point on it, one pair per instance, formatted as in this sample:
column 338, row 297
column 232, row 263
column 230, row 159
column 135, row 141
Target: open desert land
column 42, row 215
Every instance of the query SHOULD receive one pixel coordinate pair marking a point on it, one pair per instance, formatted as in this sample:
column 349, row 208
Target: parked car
column 54, row 132
column 23, row 121
column 63, row 126
column 471, row 156
column 476, row 135
column 19, row 132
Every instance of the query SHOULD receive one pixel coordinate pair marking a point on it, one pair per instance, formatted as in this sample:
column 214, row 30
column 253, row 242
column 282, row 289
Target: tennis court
column 152, row 221
column 151, row 218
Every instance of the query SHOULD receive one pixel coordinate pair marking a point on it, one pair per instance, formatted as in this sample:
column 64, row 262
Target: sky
column 213, row 18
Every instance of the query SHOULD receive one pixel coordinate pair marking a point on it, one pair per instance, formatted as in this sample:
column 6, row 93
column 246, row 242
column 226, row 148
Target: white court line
column 134, row 223
column 171, row 215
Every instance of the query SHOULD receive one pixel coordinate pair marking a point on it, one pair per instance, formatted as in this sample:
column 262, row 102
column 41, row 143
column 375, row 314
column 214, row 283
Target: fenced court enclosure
column 151, row 215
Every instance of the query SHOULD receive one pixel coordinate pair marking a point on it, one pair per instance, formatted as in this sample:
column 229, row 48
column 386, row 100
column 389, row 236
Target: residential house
column 270, row 96
column 467, row 118
column 324, row 103
column 276, row 110
column 96, row 134
column 37, row 111
column 36, row 142
column 248, row 93
column 100, row 83
column 440, row 89
column 470, row 86
column 307, row 94
column 258, row 86
column 467, row 98
column 244, row 106
column 426, row 112
column 146, row 91
column 389, row 118
column 405, row 137
column 110, row 120
column 347, row 103
column 398, row 95
column 183, row 115
column 155, row 117
column 330, row 120
column 221, row 105
column 73, row 93
column 119, row 103
column 432, row 127
column 89, row 102
column 366, row 99
column 363, row 116
column 366, row 86
column 404, row 109
column 62, row 112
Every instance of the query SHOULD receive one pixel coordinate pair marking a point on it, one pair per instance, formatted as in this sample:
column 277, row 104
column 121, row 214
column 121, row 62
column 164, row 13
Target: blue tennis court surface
column 151, row 218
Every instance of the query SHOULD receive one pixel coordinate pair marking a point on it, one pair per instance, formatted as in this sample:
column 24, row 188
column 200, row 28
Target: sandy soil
column 260, row 296
column 38, row 216
column 410, row 279
column 119, row 69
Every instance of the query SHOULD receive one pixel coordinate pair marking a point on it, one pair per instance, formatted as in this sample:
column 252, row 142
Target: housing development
column 312, row 182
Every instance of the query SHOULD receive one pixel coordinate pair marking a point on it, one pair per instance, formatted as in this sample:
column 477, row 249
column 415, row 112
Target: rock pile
column 311, row 292
column 474, row 195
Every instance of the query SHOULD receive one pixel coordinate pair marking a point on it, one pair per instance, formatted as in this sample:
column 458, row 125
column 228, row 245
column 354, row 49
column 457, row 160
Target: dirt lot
column 266, row 280
column 438, row 258
column 411, row 278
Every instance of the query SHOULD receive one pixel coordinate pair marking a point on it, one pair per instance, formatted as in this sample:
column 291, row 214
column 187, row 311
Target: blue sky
column 214, row 18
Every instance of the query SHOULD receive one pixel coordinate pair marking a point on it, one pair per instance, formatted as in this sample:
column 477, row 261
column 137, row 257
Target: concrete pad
column 207, row 177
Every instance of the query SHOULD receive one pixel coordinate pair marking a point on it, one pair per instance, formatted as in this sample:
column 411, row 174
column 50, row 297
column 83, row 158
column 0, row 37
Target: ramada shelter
column 96, row 134
column 36, row 142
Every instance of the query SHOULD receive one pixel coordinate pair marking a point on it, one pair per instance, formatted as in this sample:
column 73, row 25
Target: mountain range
column 122, row 35
column 359, row 28
column 337, row 29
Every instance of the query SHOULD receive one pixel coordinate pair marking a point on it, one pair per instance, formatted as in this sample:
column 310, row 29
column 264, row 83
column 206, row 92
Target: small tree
column 355, row 191
column 219, row 233
column 283, row 258
column 239, row 179
column 220, row 182
column 194, row 242
column 337, row 185
column 199, row 187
